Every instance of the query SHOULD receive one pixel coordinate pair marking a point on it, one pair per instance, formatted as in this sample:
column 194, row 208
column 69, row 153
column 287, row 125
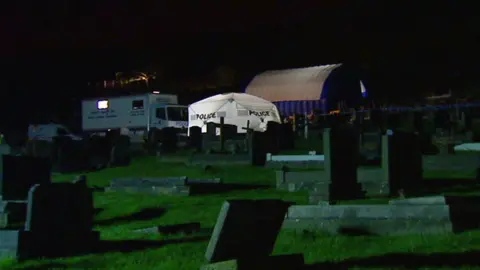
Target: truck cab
column 169, row 116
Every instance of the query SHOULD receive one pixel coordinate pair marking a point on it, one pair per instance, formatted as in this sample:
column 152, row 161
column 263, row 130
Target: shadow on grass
column 144, row 214
column 198, row 189
column 122, row 246
column 405, row 260
column 125, row 246
column 97, row 211
column 185, row 228
column 98, row 189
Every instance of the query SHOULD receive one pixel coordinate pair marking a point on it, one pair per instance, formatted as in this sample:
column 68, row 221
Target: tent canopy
column 236, row 109
column 303, row 90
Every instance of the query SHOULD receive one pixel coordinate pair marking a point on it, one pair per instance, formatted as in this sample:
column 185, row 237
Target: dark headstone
column 196, row 138
column 340, row 146
column 230, row 131
column 402, row 160
column 370, row 145
column 258, row 147
column 59, row 207
column 287, row 138
column 246, row 229
column 169, row 139
column 98, row 151
column 60, row 214
column 69, row 155
column 20, row 173
column 120, row 154
column 211, row 129
column 273, row 134
column 418, row 121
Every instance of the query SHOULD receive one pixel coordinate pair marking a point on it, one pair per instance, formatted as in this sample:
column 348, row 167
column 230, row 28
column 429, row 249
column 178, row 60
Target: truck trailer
column 136, row 113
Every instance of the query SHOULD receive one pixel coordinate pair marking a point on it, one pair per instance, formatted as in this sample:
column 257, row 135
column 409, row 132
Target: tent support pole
column 222, row 135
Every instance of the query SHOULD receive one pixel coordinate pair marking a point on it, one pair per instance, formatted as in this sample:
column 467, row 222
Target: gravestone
column 257, row 147
column 69, row 155
column 169, row 140
column 196, row 138
column 211, row 129
column 229, row 131
column 245, row 234
column 60, row 214
column 210, row 138
column 402, row 161
column 370, row 145
column 339, row 181
column 287, row 138
column 59, row 223
column 273, row 137
column 120, row 154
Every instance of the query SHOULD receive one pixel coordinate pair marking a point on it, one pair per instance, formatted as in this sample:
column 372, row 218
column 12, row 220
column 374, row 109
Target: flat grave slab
column 176, row 186
column 422, row 215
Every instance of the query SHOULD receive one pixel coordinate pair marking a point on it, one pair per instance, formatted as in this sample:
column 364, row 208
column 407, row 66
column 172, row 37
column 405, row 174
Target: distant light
column 156, row 92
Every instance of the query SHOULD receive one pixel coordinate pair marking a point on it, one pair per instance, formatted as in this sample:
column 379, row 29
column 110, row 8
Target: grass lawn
column 121, row 213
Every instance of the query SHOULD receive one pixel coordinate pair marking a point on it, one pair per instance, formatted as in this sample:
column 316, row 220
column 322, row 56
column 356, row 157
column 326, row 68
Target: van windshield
column 177, row 113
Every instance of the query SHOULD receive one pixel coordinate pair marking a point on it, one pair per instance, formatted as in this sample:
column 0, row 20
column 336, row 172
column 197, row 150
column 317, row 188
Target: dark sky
column 43, row 42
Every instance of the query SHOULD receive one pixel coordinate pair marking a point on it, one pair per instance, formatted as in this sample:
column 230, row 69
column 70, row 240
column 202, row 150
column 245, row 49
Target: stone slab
column 375, row 212
column 155, row 190
column 148, row 182
column 456, row 162
column 166, row 181
column 280, row 262
column 314, row 164
column 380, row 227
column 436, row 200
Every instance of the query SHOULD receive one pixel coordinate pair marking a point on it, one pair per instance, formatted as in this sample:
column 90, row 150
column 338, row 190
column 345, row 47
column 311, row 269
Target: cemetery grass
column 118, row 214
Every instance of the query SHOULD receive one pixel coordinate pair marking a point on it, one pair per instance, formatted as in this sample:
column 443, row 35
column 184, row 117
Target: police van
column 134, row 114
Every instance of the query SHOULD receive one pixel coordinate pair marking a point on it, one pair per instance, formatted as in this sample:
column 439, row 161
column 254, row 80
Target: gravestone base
column 12, row 212
column 13, row 243
column 61, row 244
column 280, row 262
column 22, row 245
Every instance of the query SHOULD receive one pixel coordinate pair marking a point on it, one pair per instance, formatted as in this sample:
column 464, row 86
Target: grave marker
column 339, row 179
column 60, row 214
column 401, row 161
column 196, row 138
column 246, row 229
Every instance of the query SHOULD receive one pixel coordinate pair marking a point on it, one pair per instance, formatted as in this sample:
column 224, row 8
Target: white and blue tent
column 303, row 90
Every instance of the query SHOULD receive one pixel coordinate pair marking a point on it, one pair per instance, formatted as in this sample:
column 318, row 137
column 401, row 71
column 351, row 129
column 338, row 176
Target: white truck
column 135, row 114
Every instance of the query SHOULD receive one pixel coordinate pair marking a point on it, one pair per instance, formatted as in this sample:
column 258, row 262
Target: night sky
column 52, row 50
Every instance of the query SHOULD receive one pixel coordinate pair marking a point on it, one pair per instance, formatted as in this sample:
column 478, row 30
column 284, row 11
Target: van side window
column 160, row 113
column 137, row 104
